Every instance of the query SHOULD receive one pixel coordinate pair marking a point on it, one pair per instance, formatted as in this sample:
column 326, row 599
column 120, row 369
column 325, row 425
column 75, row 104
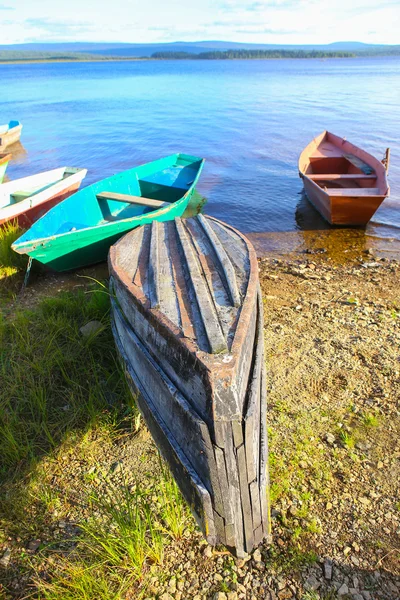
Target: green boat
column 80, row 230
column 4, row 160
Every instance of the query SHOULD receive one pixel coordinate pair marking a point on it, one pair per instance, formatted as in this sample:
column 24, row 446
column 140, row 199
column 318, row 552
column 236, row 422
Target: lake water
column 249, row 119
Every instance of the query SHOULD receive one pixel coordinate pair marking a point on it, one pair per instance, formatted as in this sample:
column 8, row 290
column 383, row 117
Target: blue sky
column 257, row 21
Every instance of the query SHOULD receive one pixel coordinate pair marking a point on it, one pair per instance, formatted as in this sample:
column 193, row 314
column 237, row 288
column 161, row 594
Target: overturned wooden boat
column 343, row 182
column 79, row 231
column 188, row 325
column 4, row 160
column 9, row 134
column 26, row 200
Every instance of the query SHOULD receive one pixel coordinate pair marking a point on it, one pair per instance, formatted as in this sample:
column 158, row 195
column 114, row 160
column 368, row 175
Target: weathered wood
column 189, row 483
column 214, row 333
column 224, row 486
column 252, row 419
column 255, row 504
column 154, row 264
column 209, row 404
column 245, row 496
column 130, row 199
column 226, row 265
column 263, row 477
column 185, row 425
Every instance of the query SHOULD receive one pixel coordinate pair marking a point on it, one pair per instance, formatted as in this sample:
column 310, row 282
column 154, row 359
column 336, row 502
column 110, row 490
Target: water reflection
column 18, row 152
column 307, row 217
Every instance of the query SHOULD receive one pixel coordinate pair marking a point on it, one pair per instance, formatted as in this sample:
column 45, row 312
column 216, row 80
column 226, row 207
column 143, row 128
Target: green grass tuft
column 10, row 232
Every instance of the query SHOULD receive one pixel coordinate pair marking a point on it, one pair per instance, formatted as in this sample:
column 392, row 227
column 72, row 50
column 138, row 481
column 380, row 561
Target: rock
column 208, row 552
column 330, row 438
column 328, row 568
column 312, row 583
column 33, row 545
column 91, row 328
column 116, row 467
column 232, row 596
column 257, row 555
column 356, row 595
column 166, row 596
column 5, row 559
column 366, row 595
column 219, row 596
column 343, row 590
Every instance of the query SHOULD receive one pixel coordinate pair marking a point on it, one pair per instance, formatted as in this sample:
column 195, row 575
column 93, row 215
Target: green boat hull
column 82, row 245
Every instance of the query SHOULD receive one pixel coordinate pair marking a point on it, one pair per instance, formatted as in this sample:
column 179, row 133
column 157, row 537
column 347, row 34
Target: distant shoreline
column 24, row 61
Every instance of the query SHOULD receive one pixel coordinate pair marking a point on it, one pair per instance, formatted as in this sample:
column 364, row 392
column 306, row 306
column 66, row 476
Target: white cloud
column 257, row 21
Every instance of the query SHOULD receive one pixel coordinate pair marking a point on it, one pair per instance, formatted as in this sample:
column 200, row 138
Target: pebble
column 208, row 552
column 330, row 438
column 220, row 596
column 257, row 555
column 328, row 568
column 33, row 545
column 5, row 559
column 312, row 583
column 343, row 590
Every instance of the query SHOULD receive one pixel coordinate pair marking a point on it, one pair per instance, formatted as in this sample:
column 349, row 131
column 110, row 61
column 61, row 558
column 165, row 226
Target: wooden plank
column 226, row 265
column 245, row 497
column 255, row 504
column 354, row 192
column 258, row 536
column 185, row 425
column 215, row 336
column 130, row 199
column 263, row 477
column 335, row 176
column 234, row 494
column 219, row 524
column 181, row 367
column 224, row 486
column 154, row 262
column 252, row 418
column 189, row 483
column 237, row 428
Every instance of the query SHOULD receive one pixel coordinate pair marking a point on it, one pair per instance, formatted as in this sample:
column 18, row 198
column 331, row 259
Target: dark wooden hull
column 205, row 410
column 343, row 182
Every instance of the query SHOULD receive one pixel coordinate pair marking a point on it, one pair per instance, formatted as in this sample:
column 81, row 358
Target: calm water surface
column 249, row 119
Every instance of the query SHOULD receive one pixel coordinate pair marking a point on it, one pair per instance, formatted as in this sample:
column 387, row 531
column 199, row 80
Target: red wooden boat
column 29, row 198
column 344, row 183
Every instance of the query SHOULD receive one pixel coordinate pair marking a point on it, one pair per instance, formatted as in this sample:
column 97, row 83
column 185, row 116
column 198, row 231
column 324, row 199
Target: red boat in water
column 343, row 182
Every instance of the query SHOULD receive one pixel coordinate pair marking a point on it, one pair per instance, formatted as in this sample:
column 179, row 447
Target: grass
column 64, row 400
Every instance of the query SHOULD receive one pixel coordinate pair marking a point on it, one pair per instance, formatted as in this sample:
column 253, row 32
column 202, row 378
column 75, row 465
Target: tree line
column 251, row 54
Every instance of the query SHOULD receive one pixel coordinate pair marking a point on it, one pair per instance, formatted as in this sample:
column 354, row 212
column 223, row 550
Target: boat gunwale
column 27, row 246
column 54, row 188
column 170, row 329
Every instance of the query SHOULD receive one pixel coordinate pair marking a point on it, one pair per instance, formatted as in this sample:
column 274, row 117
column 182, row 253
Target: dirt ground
column 332, row 334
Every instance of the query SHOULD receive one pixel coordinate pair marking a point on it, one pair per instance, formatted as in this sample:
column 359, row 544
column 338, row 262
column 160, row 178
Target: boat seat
column 129, row 199
column 18, row 196
column 331, row 176
column 354, row 191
